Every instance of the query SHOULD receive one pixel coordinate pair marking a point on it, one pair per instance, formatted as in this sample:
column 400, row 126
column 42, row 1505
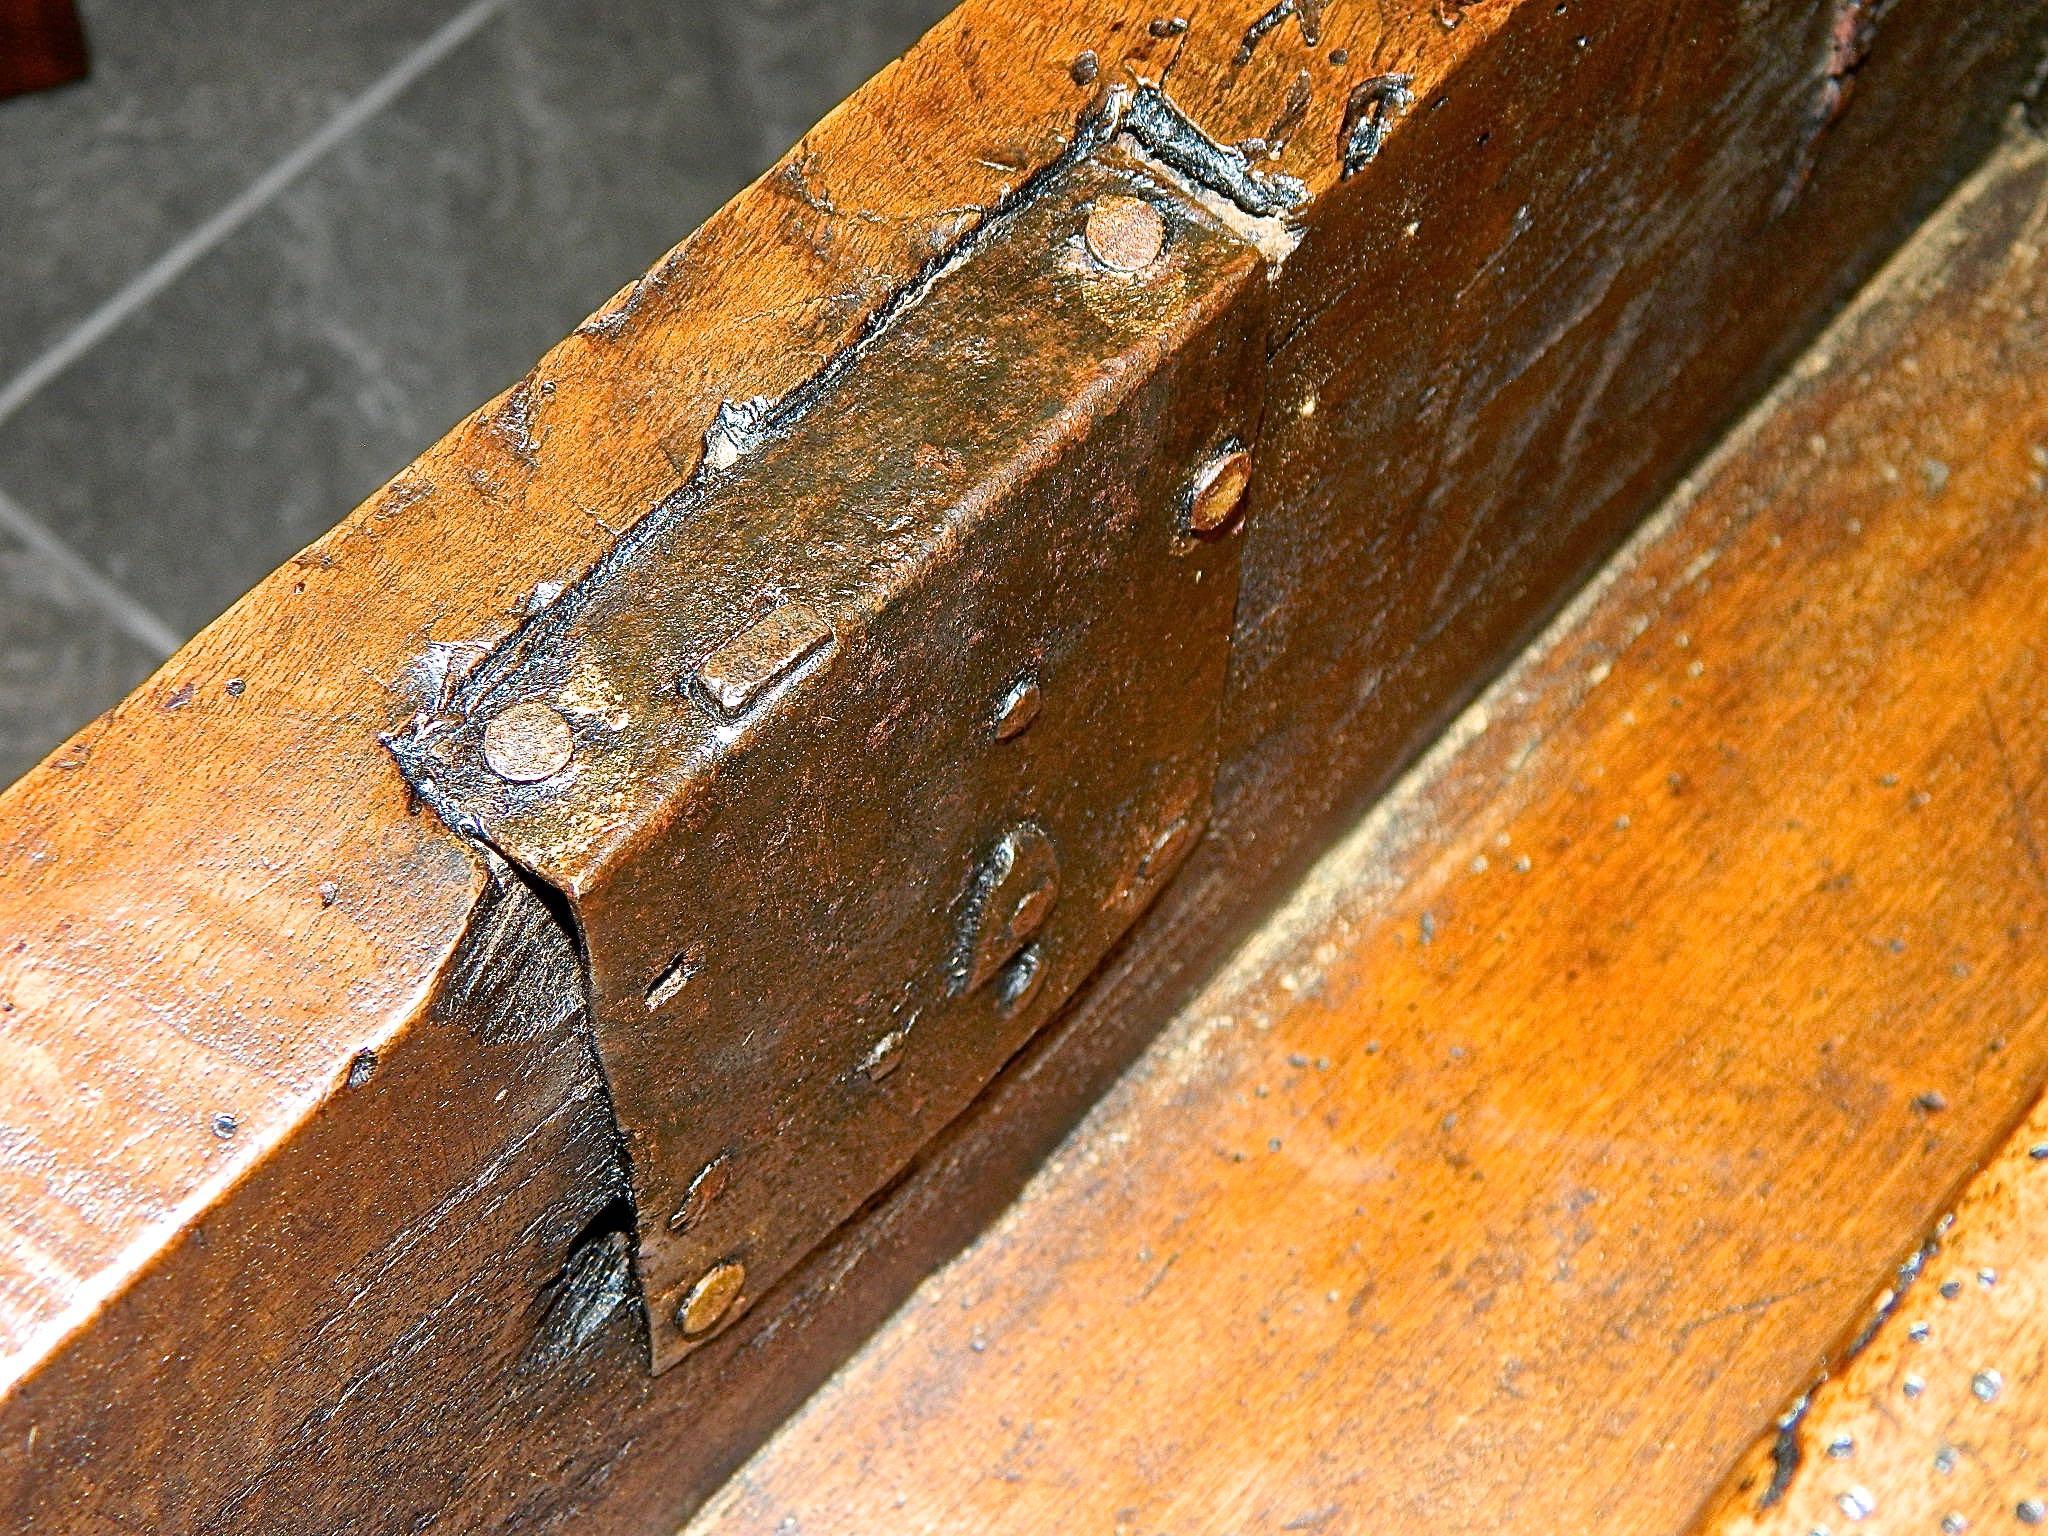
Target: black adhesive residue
column 362, row 1067
column 1785, row 1455
column 1172, row 137
column 1369, row 112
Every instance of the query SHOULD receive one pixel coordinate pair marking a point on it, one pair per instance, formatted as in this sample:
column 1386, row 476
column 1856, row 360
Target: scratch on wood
column 798, row 178
column 613, row 319
column 1450, row 14
column 1851, row 37
column 512, row 422
column 1293, row 108
column 2021, row 815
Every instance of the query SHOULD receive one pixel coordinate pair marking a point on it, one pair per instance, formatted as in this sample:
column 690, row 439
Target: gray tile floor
column 272, row 248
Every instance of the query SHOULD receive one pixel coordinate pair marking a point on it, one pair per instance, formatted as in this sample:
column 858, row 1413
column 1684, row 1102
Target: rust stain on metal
column 703, row 1192
column 895, row 707
column 884, row 1056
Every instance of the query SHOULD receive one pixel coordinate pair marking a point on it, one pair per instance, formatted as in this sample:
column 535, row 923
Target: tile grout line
column 168, row 267
column 120, row 605
column 127, row 610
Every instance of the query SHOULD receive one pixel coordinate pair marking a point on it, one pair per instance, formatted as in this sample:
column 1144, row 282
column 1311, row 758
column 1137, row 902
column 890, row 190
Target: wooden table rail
column 321, row 1208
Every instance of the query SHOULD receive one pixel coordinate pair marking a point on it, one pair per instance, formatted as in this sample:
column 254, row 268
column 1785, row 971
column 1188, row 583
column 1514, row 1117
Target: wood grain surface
column 273, row 1163
column 1569, row 1117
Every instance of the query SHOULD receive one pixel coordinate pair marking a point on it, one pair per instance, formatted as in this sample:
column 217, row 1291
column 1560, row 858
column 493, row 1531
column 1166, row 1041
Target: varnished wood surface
column 1567, row 1121
column 1578, row 253
column 164, row 870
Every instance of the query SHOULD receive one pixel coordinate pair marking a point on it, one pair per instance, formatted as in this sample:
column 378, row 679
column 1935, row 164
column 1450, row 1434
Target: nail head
column 710, row 1299
column 528, row 742
column 884, row 1057
column 1018, row 709
column 1018, row 982
column 1216, row 503
column 1125, row 234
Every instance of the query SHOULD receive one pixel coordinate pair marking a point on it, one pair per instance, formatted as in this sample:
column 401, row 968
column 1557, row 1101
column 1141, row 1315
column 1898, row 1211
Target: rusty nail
column 703, row 1191
column 884, row 1057
column 1018, row 709
column 1017, row 888
column 1125, row 234
column 527, row 743
column 1216, row 502
column 711, row 1298
column 1032, row 909
column 1020, row 979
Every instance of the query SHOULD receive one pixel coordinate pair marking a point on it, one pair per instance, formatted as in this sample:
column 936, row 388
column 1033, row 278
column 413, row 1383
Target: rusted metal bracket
column 859, row 754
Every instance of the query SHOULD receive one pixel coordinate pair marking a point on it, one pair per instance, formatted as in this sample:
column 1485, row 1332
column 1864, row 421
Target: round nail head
column 710, row 1299
column 1168, row 848
column 1217, row 501
column 1031, row 911
column 1018, row 709
column 528, row 742
column 1019, row 981
column 1125, row 234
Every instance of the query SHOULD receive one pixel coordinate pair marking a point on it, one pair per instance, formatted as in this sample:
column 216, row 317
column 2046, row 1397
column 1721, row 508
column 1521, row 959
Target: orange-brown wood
column 177, row 952
column 302, row 1142
column 219, row 894
column 1568, row 1119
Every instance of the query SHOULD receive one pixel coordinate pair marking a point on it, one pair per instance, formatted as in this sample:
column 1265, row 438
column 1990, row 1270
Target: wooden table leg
column 42, row 45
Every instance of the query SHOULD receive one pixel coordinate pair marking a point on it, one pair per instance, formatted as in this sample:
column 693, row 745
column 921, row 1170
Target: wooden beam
column 1563, row 1124
column 253, row 1068
column 1934, row 1419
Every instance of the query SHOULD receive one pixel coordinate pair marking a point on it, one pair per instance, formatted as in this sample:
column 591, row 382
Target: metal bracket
column 857, row 756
